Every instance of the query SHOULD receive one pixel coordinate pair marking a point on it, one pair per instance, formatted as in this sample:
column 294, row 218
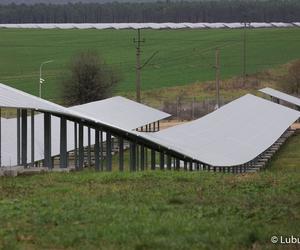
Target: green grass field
column 185, row 56
column 153, row 210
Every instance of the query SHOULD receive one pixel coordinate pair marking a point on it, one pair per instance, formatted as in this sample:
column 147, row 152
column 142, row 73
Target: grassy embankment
column 153, row 210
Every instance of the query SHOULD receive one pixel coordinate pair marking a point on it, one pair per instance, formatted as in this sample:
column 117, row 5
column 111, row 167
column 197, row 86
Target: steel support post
column 47, row 141
column 162, row 160
column 138, row 157
column 121, row 154
column 24, row 136
column 75, row 145
column 101, row 151
column 169, row 162
column 158, row 126
column 18, row 137
column 132, row 156
column 146, row 158
column 81, row 148
column 89, row 158
column 185, row 165
column 0, row 137
column 97, row 150
column 63, row 143
column 153, row 160
column 32, row 138
column 191, row 165
column 108, row 152
column 177, row 167
column 142, row 151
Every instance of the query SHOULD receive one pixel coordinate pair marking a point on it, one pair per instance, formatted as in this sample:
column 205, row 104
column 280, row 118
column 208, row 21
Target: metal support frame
column 185, row 165
column 138, row 157
column 142, row 151
column 153, row 160
column 132, row 156
column 81, row 147
column 177, row 163
column 24, row 136
column 121, row 154
column 0, row 137
column 101, row 151
column 169, row 162
column 32, row 137
column 75, row 145
column 18, row 137
column 108, row 152
column 97, row 150
column 47, row 140
column 191, row 165
column 89, row 158
column 158, row 126
column 146, row 158
column 63, row 143
column 162, row 160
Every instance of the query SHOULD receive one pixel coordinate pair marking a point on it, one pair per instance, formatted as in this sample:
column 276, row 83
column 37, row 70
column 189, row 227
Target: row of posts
column 151, row 127
column 138, row 154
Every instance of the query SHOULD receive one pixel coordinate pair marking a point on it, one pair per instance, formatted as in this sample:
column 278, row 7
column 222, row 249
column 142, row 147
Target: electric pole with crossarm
column 138, row 68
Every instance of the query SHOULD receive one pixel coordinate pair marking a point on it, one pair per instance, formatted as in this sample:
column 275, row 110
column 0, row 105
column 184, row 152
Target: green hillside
column 185, row 56
column 153, row 210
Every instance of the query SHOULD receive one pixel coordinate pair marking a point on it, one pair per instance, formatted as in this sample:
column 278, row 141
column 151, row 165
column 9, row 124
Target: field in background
column 153, row 210
column 185, row 56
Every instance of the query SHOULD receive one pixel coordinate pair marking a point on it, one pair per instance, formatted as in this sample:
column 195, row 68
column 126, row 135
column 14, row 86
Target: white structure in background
column 118, row 26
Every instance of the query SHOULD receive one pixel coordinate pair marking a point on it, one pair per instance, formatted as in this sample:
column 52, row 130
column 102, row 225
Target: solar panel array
column 117, row 26
column 230, row 136
column 282, row 96
column 117, row 110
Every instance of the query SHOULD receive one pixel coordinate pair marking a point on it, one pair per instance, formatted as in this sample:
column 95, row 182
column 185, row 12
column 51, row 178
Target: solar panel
column 234, row 25
column 233, row 135
column 281, row 25
column 282, row 96
column 101, row 26
column 120, row 111
column 261, row 25
column 117, row 111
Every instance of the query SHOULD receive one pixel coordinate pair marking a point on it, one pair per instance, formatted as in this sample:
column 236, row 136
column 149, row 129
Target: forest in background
column 161, row 11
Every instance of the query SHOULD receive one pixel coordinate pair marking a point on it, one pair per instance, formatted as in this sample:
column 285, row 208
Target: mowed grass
column 184, row 56
column 153, row 210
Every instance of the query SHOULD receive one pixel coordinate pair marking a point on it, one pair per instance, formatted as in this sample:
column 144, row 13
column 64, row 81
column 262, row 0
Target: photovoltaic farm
column 214, row 166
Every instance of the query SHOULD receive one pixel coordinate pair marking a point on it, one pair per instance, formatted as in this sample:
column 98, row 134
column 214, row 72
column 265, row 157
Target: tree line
column 162, row 11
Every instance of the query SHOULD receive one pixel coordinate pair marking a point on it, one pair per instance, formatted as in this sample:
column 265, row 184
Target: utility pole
column 245, row 52
column 217, row 68
column 138, row 68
